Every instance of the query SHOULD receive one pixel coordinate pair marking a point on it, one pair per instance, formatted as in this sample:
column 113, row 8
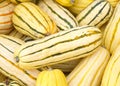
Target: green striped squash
column 62, row 17
column 30, row 20
column 6, row 11
column 8, row 65
column 96, row 14
column 58, row 48
column 90, row 70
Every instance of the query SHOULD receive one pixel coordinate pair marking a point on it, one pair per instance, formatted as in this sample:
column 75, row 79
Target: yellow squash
column 53, row 77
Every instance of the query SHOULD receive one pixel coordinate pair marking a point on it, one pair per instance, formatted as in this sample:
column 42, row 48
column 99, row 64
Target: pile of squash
column 59, row 42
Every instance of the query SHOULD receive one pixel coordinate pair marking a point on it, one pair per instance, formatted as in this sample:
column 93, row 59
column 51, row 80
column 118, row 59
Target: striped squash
column 19, row 1
column 62, row 17
column 30, row 20
column 111, row 38
column 96, row 14
column 111, row 75
column 8, row 65
column 58, row 48
column 90, row 70
column 6, row 11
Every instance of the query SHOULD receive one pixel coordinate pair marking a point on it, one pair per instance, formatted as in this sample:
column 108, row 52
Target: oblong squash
column 111, row 75
column 96, row 14
column 60, row 47
column 61, row 16
column 30, row 20
column 8, row 65
column 111, row 38
column 90, row 70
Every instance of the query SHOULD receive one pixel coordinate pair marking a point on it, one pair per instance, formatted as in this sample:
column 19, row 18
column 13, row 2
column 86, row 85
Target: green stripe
column 66, row 21
column 54, row 36
column 34, row 16
column 64, row 41
column 33, row 29
column 6, row 48
column 107, row 14
column 29, row 40
column 60, row 28
column 92, row 8
column 57, row 54
column 97, row 14
column 10, row 40
column 68, row 59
